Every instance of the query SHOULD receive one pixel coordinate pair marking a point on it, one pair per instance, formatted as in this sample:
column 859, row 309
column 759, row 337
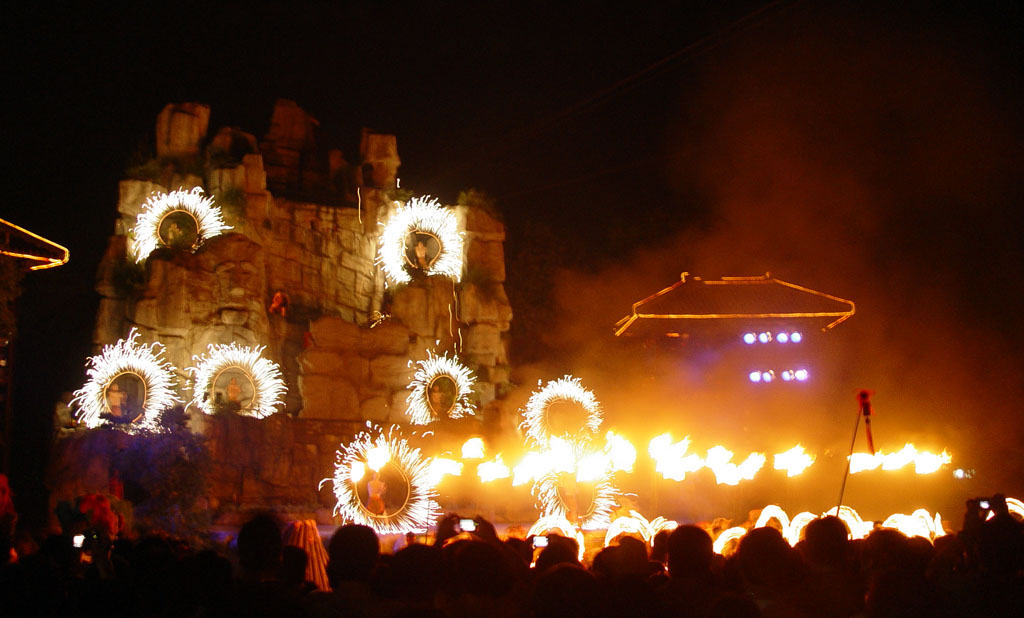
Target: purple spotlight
column 755, row 376
column 749, row 338
column 801, row 375
column 796, row 337
column 764, row 337
column 767, row 376
column 782, row 338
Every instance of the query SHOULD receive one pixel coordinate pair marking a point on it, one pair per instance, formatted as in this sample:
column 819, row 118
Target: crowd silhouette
column 271, row 569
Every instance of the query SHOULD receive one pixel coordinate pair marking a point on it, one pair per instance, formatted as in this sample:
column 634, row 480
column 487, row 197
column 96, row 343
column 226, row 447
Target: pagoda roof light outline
column 20, row 243
column 693, row 300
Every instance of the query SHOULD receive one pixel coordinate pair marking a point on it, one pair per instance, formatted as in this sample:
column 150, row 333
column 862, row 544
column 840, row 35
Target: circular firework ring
column 537, row 423
column 422, row 217
column 433, row 372
column 367, row 456
column 199, row 209
column 128, row 358
column 549, row 490
column 264, row 376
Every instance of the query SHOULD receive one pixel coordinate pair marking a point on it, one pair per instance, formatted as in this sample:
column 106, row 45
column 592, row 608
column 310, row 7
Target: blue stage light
column 787, row 375
column 796, row 337
column 764, row 337
column 755, row 376
column 767, row 376
column 749, row 338
column 801, row 375
column 782, row 338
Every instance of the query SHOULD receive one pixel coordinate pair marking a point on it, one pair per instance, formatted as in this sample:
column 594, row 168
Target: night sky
column 868, row 151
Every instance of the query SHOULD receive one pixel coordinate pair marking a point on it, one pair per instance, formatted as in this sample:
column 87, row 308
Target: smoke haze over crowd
column 860, row 159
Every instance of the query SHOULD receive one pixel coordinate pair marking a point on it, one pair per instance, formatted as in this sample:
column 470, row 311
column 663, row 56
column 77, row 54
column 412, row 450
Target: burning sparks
column 919, row 523
column 794, row 461
column 492, row 470
column 636, row 524
column 568, row 389
column 435, row 368
column 208, row 219
column 264, row 374
column 473, row 449
column 144, row 361
column 559, row 493
column 923, row 461
column 671, row 459
column 719, row 461
column 621, row 451
column 426, row 216
column 441, row 466
column 373, row 449
column 673, row 462
column 727, row 537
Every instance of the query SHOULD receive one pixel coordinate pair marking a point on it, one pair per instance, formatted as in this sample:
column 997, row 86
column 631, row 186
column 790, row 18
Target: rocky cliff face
column 305, row 224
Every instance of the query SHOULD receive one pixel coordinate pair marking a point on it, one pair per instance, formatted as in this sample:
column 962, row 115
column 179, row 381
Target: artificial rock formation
column 180, row 128
column 305, row 224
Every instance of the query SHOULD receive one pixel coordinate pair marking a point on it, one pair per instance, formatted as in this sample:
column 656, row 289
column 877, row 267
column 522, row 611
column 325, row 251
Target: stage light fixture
column 782, row 338
column 787, row 376
column 764, row 337
column 749, row 338
column 796, row 337
column 801, row 375
column 767, row 376
column 755, row 376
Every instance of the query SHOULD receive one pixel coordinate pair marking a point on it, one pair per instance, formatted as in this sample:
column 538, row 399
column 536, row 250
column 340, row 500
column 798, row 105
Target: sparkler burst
column 556, row 491
column 422, row 215
column 568, row 389
column 419, row 510
column 146, row 362
column 267, row 382
column 430, row 370
column 208, row 219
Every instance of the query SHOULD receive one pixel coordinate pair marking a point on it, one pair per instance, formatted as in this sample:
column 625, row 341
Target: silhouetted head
column 259, row 546
column 416, row 571
column 352, row 554
column 476, row 568
column 765, row 558
column 293, row 565
column 560, row 550
column 827, row 541
column 567, row 591
column 690, row 551
column 659, row 546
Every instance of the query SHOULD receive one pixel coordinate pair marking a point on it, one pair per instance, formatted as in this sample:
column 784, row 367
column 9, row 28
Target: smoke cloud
column 871, row 160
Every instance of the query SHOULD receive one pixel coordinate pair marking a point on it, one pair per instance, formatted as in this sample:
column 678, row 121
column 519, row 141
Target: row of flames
column 672, row 459
column 920, row 523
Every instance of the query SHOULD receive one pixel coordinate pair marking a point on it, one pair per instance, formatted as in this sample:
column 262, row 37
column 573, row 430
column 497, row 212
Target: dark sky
column 866, row 150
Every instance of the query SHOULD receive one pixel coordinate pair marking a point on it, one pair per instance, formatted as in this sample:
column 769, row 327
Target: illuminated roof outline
column 17, row 242
column 746, row 298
